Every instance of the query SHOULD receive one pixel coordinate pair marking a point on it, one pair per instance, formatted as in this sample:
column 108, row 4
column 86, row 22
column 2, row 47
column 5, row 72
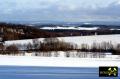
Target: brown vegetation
column 18, row 32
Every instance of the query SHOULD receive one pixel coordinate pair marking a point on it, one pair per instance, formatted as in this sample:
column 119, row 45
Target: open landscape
column 24, row 46
column 59, row 39
column 86, row 46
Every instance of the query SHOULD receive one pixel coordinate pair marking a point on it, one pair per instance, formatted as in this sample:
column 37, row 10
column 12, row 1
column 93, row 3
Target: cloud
column 66, row 10
column 112, row 10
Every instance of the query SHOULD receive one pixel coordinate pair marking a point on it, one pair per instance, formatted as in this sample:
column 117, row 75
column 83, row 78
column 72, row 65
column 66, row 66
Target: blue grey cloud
column 64, row 10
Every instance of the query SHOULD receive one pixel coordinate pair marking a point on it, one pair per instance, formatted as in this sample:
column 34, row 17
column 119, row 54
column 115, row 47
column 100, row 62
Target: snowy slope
column 114, row 39
column 62, row 61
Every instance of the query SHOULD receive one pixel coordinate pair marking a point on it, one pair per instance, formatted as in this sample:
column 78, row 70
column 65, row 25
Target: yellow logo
column 112, row 71
column 108, row 71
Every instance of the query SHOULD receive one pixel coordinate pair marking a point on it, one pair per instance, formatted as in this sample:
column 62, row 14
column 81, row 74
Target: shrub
column 12, row 49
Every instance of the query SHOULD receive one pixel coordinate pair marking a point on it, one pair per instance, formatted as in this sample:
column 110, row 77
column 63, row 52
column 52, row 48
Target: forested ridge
column 18, row 31
column 9, row 31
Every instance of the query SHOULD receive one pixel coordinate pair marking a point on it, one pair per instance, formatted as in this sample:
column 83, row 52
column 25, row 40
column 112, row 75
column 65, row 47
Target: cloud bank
column 60, row 10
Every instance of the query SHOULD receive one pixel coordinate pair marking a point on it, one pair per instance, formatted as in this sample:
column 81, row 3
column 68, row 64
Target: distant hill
column 9, row 31
column 19, row 31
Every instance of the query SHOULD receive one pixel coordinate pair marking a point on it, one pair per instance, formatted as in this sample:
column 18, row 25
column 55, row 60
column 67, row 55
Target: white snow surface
column 114, row 39
column 57, row 61
column 69, row 28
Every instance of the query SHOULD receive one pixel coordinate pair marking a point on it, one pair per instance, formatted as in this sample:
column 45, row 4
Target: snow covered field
column 69, row 28
column 63, row 61
column 114, row 39
column 57, row 61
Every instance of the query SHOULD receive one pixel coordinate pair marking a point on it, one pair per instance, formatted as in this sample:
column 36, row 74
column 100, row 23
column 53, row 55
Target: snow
column 21, row 41
column 72, row 54
column 57, row 61
column 61, row 61
column 87, row 23
column 114, row 39
column 69, row 28
column 114, row 29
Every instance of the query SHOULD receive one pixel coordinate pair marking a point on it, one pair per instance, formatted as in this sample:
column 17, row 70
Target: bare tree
column 29, row 47
column 36, row 44
column 12, row 49
column 2, row 48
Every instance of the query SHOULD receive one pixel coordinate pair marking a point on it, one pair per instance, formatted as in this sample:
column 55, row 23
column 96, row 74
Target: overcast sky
column 60, row 10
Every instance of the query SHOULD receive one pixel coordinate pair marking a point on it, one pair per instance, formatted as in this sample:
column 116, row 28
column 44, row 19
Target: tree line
column 54, row 44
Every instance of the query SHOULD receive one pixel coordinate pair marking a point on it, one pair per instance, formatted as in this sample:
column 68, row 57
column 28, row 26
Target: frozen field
column 57, row 61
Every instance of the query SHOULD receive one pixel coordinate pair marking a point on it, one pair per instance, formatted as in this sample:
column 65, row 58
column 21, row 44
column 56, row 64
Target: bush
column 1, row 48
column 12, row 49
column 53, row 44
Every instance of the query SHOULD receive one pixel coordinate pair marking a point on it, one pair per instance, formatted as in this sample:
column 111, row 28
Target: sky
column 60, row 10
